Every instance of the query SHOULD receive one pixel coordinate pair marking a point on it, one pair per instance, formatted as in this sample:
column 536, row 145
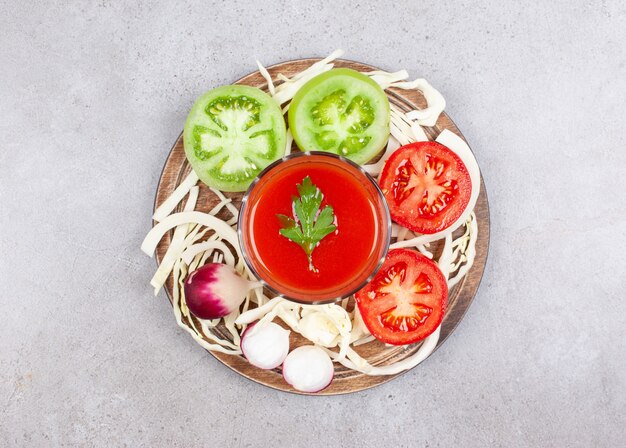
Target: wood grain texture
column 176, row 169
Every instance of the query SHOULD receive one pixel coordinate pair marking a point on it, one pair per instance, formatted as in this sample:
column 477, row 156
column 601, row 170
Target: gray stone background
column 92, row 96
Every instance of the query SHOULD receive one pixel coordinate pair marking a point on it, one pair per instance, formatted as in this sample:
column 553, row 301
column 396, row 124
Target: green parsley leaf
column 309, row 225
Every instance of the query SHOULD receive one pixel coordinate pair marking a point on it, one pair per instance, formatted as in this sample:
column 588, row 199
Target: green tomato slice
column 341, row 111
column 231, row 134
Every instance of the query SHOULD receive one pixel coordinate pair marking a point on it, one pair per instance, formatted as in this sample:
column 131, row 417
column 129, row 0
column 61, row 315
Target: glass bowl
column 261, row 187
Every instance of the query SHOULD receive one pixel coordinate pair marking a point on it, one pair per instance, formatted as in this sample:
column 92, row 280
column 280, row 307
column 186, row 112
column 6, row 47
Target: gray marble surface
column 92, row 96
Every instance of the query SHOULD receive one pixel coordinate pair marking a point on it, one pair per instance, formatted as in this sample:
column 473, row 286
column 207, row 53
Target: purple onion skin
column 200, row 292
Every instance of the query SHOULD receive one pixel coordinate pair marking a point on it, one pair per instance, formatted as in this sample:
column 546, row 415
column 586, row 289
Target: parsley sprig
column 309, row 225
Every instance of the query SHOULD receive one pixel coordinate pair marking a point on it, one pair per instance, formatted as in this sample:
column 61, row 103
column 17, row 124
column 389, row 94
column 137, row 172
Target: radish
column 265, row 345
column 308, row 369
column 215, row 290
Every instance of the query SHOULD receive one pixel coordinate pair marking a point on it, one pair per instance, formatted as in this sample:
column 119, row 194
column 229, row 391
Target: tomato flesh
column 406, row 300
column 341, row 111
column 427, row 186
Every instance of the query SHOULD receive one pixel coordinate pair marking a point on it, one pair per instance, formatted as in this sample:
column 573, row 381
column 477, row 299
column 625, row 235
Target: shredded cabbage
column 189, row 254
column 466, row 252
column 434, row 99
column 231, row 208
column 179, row 193
column 176, row 246
column 289, row 142
column 289, row 87
column 268, row 78
column 221, row 228
column 409, row 128
column 385, row 79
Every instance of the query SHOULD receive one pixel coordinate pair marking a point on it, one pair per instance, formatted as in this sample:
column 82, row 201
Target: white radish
column 308, row 369
column 265, row 345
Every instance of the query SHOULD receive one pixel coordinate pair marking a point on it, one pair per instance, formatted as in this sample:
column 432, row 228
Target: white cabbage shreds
column 179, row 193
column 268, row 78
column 407, row 127
column 464, row 252
column 177, row 245
column 289, row 143
column 385, row 79
column 190, row 253
column 286, row 91
column 225, row 231
column 257, row 313
column 435, row 101
column 356, row 362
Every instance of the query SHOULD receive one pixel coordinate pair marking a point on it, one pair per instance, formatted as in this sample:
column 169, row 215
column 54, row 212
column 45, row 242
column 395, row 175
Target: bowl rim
column 385, row 221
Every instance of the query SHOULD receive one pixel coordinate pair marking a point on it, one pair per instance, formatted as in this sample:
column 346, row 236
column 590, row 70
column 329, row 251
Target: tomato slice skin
column 427, row 186
column 406, row 300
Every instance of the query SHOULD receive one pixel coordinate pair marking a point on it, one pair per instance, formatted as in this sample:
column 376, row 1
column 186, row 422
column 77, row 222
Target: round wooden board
column 460, row 296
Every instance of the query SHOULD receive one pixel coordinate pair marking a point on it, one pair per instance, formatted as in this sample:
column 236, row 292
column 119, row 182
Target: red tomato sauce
column 341, row 256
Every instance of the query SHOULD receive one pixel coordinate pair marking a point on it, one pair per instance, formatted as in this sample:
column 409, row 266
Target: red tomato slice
column 427, row 186
column 406, row 300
